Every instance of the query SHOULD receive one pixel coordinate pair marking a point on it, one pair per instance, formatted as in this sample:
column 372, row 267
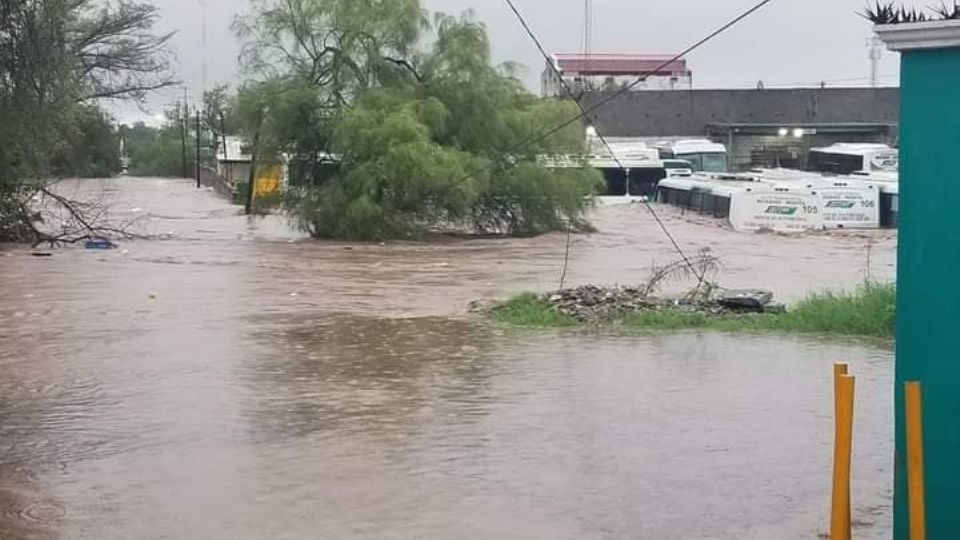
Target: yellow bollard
column 915, row 478
column 839, row 370
column 840, row 516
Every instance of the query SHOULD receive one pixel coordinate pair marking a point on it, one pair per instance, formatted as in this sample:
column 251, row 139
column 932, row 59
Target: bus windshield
column 716, row 162
column 706, row 162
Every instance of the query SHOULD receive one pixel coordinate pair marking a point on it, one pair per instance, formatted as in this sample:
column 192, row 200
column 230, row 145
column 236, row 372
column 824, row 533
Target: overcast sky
column 789, row 42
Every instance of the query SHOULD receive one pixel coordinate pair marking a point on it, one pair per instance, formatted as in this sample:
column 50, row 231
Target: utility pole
column 198, row 148
column 587, row 28
column 184, row 121
column 203, row 38
column 587, row 83
column 223, row 136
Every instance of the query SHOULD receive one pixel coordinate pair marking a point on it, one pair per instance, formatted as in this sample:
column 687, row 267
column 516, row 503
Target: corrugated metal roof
column 620, row 64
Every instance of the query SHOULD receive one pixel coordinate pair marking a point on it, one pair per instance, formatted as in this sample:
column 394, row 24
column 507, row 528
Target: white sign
column 780, row 211
column 888, row 161
column 850, row 208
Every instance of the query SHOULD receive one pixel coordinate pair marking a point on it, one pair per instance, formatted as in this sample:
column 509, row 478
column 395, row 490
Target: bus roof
column 697, row 146
column 854, row 149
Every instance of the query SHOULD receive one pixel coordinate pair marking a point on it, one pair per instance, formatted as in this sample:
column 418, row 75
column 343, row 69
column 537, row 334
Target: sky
column 787, row 43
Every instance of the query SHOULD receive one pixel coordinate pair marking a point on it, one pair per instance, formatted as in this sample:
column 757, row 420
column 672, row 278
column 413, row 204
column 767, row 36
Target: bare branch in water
column 56, row 219
column 698, row 268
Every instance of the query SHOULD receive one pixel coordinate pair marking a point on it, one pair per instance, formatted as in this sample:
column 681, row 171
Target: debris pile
column 590, row 303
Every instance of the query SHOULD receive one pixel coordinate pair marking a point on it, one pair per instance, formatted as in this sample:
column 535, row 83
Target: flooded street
column 233, row 380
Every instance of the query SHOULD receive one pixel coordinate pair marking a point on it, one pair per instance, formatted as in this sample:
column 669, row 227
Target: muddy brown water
column 232, row 380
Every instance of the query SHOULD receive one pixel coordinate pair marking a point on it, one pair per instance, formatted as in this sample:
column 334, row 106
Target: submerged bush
column 427, row 138
column 405, row 172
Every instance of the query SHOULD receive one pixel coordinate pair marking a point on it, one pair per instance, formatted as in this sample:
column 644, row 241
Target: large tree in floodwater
column 427, row 136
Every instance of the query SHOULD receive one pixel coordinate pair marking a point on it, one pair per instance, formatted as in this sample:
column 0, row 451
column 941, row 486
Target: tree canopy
column 426, row 135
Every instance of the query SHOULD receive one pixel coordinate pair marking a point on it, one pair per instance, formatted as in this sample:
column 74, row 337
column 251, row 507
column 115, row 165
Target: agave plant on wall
column 890, row 13
column 947, row 12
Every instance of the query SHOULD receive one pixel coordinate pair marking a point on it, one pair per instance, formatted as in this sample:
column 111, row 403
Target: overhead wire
column 543, row 135
column 569, row 92
column 585, row 112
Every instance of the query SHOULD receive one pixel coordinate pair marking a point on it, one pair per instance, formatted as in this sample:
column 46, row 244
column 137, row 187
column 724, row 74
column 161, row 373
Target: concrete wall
column 687, row 113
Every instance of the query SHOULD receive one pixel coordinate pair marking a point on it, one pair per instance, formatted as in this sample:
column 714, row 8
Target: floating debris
column 100, row 244
column 591, row 303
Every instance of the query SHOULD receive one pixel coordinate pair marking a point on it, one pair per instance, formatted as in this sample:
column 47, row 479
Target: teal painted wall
column 928, row 311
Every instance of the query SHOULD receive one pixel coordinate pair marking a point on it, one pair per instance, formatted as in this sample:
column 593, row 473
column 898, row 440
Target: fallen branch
column 56, row 219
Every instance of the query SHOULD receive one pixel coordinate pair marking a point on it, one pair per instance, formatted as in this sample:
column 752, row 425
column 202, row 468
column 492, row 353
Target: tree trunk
column 251, row 185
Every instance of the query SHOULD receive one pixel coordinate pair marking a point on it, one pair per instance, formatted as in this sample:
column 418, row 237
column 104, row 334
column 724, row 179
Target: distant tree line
column 159, row 151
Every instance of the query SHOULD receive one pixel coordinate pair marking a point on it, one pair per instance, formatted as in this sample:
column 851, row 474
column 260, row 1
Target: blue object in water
column 100, row 243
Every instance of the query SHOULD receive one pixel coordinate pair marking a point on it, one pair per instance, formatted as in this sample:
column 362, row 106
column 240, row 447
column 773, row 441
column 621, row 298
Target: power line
column 538, row 137
column 799, row 84
column 613, row 154
column 643, row 77
column 585, row 112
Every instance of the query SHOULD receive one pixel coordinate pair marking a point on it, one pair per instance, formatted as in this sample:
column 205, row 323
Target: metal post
column 183, row 119
column 198, row 148
column 840, row 516
column 915, row 476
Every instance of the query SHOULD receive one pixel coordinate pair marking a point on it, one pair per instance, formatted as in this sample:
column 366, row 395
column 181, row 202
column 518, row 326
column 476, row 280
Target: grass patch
column 868, row 311
column 530, row 310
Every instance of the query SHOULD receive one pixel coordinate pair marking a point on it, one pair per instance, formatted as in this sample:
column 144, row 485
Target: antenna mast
column 587, row 27
column 876, row 53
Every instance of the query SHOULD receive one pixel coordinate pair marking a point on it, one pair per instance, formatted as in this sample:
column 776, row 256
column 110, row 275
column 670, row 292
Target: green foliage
column 530, row 310
column 89, row 145
column 339, row 46
column 162, row 156
column 218, row 117
column 159, row 151
column 395, row 179
column 428, row 140
column 115, row 52
column 869, row 311
column 290, row 118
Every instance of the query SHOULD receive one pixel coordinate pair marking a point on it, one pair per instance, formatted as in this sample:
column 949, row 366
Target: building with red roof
column 611, row 72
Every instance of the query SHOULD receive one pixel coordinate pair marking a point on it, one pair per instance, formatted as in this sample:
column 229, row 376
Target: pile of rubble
column 591, row 303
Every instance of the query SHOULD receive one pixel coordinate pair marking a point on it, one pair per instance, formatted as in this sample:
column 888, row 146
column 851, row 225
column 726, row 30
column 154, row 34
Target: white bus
column 703, row 155
column 846, row 158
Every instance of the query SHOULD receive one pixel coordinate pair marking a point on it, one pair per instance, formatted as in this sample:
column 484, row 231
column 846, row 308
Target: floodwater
column 229, row 379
